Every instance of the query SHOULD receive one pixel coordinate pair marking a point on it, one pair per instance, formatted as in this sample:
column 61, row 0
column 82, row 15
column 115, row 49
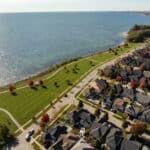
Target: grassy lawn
column 7, row 121
column 29, row 102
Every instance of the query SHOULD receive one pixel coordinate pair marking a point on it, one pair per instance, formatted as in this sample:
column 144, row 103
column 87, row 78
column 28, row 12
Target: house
column 134, row 78
column 82, row 145
column 143, row 99
column 132, row 111
column 80, row 118
column 114, row 138
column 117, row 89
column 145, row 83
column 145, row 115
column 95, row 89
column 119, row 104
column 102, row 84
column 129, row 93
column 46, row 139
column 100, row 130
column 130, row 145
column 89, row 93
column 66, row 142
column 52, row 133
column 137, row 72
column 108, row 101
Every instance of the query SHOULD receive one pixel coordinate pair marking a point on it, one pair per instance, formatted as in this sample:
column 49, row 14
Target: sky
column 73, row 5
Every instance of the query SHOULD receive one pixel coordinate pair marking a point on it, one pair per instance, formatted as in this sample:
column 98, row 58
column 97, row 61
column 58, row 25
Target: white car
column 29, row 134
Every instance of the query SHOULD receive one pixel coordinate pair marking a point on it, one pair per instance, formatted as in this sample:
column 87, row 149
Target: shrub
column 41, row 82
column 80, row 104
column 45, row 118
column 97, row 113
column 30, row 83
column 138, row 128
column 11, row 88
column 125, row 124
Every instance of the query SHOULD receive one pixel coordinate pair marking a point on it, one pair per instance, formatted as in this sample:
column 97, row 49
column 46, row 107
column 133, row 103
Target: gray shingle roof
column 130, row 145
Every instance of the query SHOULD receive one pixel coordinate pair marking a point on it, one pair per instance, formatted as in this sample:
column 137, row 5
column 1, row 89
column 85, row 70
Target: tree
column 56, row 84
column 100, row 72
column 138, row 128
column 45, row 118
column 97, row 113
column 30, row 83
column 11, row 88
column 80, row 104
column 106, row 116
column 124, row 124
column 5, row 135
column 41, row 82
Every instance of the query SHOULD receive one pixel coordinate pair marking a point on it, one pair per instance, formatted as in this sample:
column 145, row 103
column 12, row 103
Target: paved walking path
column 12, row 118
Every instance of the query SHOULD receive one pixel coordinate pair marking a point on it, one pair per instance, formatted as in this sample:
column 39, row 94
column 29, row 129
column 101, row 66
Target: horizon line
column 58, row 11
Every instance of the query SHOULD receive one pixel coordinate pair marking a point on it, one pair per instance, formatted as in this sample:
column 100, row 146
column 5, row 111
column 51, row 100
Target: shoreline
column 53, row 67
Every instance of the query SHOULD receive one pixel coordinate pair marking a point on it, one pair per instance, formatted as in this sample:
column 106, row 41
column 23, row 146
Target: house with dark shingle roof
column 130, row 145
column 145, row 115
column 114, row 138
column 52, row 133
column 108, row 101
column 129, row 93
column 133, row 111
column 100, row 130
column 143, row 99
column 80, row 118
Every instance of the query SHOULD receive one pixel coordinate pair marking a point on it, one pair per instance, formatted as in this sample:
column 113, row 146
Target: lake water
column 30, row 42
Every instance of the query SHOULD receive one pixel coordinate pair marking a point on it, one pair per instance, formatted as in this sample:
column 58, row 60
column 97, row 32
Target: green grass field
column 7, row 121
column 29, row 102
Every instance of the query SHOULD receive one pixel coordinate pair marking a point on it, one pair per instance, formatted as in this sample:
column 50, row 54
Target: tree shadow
column 13, row 143
column 14, row 93
column 34, row 88
column 44, row 87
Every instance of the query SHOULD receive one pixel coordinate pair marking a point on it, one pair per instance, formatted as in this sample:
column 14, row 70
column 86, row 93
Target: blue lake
column 31, row 42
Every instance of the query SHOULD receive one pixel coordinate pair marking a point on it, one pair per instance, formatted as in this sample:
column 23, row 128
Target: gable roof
column 130, row 145
column 132, row 111
column 81, row 118
column 143, row 99
column 130, row 93
column 82, row 145
column 100, row 130
column 145, row 116
column 114, row 138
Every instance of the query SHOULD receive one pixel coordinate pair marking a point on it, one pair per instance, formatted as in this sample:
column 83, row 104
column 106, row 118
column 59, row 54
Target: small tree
column 124, row 124
column 106, row 116
column 11, row 88
column 41, row 82
column 80, row 104
column 97, row 113
column 30, row 83
column 45, row 118
column 138, row 128
column 56, row 84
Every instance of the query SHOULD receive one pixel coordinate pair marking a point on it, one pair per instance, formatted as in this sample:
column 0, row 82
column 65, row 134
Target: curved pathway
column 12, row 118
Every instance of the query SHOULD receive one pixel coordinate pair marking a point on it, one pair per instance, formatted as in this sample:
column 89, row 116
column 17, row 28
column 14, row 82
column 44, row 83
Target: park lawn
column 28, row 102
column 4, row 119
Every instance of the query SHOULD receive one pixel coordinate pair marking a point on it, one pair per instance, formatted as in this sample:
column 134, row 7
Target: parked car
column 29, row 134
column 113, row 110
